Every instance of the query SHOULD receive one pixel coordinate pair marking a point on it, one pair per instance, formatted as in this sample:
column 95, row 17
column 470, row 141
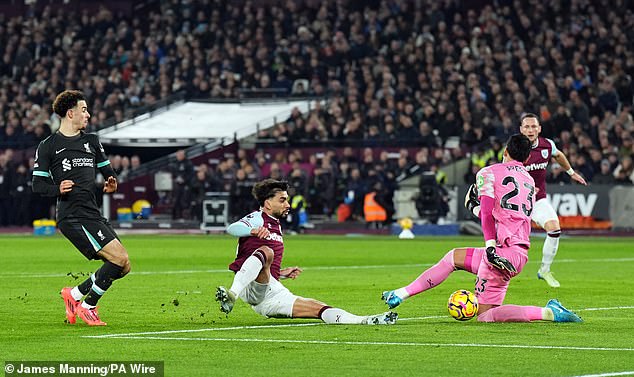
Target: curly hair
column 267, row 189
column 66, row 100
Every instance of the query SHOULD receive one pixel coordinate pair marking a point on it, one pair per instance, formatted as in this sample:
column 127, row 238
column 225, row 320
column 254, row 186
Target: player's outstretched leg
column 430, row 278
column 226, row 298
column 561, row 314
column 309, row 308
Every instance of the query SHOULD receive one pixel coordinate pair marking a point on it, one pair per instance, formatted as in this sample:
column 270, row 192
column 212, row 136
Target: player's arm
column 42, row 182
column 103, row 164
column 250, row 225
column 110, row 178
column 472, row 201
column 485, row 180
column 44, row 185
column 562, row 160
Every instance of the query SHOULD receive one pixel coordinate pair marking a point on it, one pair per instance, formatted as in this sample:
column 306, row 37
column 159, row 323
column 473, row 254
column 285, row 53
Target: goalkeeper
column 503, row 200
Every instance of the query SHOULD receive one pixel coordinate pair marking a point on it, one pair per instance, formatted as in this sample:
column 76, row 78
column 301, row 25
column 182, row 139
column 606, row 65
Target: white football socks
column 402, row 293
column 250, row 270
column 548, row 252
column 76, row 293
column 340, row 316
column 547, row 314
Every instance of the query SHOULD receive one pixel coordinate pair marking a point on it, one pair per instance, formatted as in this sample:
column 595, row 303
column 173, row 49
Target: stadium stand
column 403, row 78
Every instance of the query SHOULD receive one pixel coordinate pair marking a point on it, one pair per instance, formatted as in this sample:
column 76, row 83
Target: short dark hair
column 519, row 147
column 528, row 115
column 267, row 189
column 66, row 100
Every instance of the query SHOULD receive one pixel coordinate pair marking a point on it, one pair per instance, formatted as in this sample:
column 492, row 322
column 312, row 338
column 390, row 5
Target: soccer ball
column 462, row 305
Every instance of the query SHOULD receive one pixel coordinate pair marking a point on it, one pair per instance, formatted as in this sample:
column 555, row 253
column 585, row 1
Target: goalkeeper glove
column 499, row 262
column 471, row 201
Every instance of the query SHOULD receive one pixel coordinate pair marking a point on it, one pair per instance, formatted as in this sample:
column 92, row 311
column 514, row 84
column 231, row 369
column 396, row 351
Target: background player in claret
column 503, row 200
column 542, row 149
column 258, row 266
column 65, row 166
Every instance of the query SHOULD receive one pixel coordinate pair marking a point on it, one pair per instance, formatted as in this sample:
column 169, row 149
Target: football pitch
column 164, row 310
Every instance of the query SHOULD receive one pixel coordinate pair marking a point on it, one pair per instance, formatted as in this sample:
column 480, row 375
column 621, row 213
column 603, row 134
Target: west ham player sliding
column 65, row 166
column 503, row 200
column 544, row 214
column 258, row 269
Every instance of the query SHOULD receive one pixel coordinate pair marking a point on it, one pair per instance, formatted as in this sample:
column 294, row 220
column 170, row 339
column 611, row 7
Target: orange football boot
column 71, row 305
column 90, row 316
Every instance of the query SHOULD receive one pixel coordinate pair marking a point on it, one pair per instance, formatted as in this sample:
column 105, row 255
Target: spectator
column 21, row 196
column 355, row 193
column 241, row 198
column 482, row 70
column 182, row 171
column 605, row 175
column 6, row 176
column 201, row 184
column 624, row 172
column 135, row 162
column 557, row 175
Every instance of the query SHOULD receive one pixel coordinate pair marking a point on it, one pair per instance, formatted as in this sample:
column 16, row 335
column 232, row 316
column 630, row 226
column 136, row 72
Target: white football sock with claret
column 340, row 316
column 248, row 272
column 548, row 252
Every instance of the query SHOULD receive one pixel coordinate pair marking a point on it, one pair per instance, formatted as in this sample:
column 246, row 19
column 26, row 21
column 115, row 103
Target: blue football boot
column 391, row 299
column 561, row 313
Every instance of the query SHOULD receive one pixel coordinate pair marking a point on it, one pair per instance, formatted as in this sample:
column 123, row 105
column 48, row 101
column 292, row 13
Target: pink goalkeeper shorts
column 492, row 283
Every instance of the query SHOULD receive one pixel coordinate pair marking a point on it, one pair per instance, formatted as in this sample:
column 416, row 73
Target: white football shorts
column 543, row 212
column 270, row 300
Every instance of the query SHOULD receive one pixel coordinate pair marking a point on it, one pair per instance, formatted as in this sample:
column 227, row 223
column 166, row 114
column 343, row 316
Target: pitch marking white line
column 212, row 271
column 612, row 308
column 608, row 374
column 286, row 325
column 411, row 344
column 236, row 328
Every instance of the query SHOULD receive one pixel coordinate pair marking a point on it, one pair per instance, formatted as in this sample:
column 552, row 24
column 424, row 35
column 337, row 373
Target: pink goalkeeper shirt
column 513, row 191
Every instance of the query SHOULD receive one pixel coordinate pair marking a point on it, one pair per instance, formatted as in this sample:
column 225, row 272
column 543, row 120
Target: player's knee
column 266, row 253
column 554, row 233
column 485, row 314
column 456, row 257
column 126, row 268
column 121, row 259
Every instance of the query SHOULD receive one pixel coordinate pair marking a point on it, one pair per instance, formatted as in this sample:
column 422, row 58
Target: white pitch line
column 236, row 328
column 608, row 374
column 411, row 344
column 612, row 308
column 285, row 325
column 212, row 271
column 203, row 330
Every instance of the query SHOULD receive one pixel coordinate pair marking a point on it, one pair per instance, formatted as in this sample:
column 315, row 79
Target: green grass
column 174, row 278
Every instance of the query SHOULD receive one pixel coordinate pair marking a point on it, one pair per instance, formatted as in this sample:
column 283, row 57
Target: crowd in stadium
column 418, row 72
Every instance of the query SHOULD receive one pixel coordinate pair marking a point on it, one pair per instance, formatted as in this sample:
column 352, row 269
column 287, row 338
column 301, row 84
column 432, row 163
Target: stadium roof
column 190, row 123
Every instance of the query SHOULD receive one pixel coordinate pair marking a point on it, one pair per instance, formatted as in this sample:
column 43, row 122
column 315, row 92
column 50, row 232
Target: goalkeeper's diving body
column 258, row 269
column 503, row 198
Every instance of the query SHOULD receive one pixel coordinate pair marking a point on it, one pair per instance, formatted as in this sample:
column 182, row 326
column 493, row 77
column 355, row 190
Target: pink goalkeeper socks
column 512, row 313
column 433, row 276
